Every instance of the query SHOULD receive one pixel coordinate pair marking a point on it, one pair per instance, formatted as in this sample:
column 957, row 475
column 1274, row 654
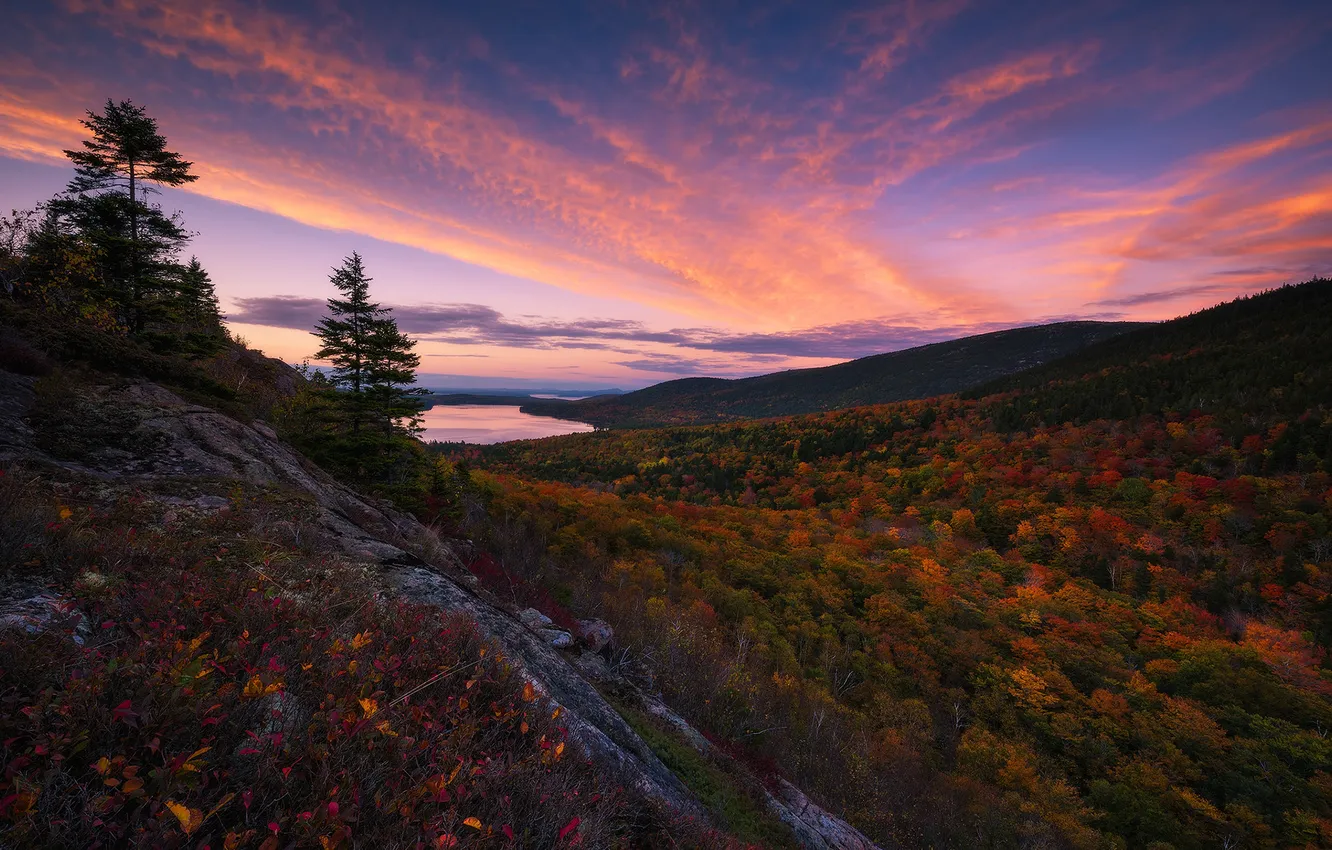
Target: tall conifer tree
column 116, row 170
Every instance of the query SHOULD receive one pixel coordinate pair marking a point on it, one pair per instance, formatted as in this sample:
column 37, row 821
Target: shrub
column 237, row 694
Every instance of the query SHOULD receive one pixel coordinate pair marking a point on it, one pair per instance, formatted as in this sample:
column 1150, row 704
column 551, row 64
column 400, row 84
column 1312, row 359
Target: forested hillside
column 1091, row 608
column 927, row 370
column 1258, row 359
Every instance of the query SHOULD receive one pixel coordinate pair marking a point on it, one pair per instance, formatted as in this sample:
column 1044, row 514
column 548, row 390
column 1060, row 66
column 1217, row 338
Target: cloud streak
column 938, row 167
column 476, row 324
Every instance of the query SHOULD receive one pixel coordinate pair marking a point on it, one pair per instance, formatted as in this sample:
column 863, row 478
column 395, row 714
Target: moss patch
column 732, row 798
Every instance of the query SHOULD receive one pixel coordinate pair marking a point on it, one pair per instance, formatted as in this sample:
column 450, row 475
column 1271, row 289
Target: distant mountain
column 1264, row 358
column 921, row 372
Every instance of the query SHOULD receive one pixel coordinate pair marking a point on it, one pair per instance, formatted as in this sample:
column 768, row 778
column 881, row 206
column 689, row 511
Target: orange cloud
column 699, row 236
column 743, row 204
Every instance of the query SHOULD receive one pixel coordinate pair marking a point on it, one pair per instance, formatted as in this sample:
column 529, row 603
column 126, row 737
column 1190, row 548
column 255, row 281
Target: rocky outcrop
column 816, row 828
column 35, row 609
column 192, row 444
column 196, row 443
column 592, row 722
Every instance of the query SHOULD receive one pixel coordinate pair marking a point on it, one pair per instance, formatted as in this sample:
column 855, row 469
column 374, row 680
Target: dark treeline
column 102, row 254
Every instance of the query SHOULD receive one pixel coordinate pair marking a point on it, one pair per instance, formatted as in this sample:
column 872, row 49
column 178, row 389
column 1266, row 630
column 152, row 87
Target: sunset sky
column 609, row 194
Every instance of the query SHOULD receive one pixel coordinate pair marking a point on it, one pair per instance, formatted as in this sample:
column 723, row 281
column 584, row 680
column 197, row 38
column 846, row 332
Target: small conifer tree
column 373, row 362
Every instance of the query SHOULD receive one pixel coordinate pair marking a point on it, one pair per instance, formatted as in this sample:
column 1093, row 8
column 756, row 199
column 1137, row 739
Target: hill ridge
column 919, row 372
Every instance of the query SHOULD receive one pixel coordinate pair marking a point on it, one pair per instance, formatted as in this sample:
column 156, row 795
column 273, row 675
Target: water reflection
column 484, row 423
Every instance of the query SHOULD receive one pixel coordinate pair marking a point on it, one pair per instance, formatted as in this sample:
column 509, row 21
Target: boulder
column 558, row 638
column 595, row 634
column 35, row 610
column 535, row 620
column 545, row 628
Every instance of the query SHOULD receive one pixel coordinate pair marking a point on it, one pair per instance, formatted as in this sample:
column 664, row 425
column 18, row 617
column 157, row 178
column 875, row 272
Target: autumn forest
column 1088, row 606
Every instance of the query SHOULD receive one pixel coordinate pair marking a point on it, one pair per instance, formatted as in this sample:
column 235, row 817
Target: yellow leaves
column 189, row 765
column 1026, row 532
column 362, row 640
column 462, row 703
column 1030, row 689
column 385, row 729
column 197, row 642
column 132, row 785
column 369, row 706
column 473, row 822
column 256, row 688
column 190, row 819
column 559, row 750
column 102, row 765
column 1031, row 595
column 1199, row 805
column 529, row 692
column 554, row 715
column 1161, row 667
column 65, row 513
column 523, row 727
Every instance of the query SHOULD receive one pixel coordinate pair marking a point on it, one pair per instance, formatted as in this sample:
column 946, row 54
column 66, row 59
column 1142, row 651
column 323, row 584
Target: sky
column 612, row 194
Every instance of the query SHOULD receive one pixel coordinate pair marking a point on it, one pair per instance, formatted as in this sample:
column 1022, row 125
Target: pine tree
column 392, row 371
column 197, row 309
column 198, row 298
column 106, row 201
column 372, row 360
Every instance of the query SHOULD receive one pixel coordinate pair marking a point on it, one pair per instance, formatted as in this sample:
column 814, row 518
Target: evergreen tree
column 392, row 371
column 373, row 361
column 197, row 310
column 198, row 299
column 106, row 201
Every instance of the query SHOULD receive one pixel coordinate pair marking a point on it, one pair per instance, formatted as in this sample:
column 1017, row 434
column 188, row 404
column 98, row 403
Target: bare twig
column 432, row 680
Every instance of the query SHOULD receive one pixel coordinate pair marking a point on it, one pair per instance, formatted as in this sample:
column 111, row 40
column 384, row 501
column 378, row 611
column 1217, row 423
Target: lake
column 491, row 423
